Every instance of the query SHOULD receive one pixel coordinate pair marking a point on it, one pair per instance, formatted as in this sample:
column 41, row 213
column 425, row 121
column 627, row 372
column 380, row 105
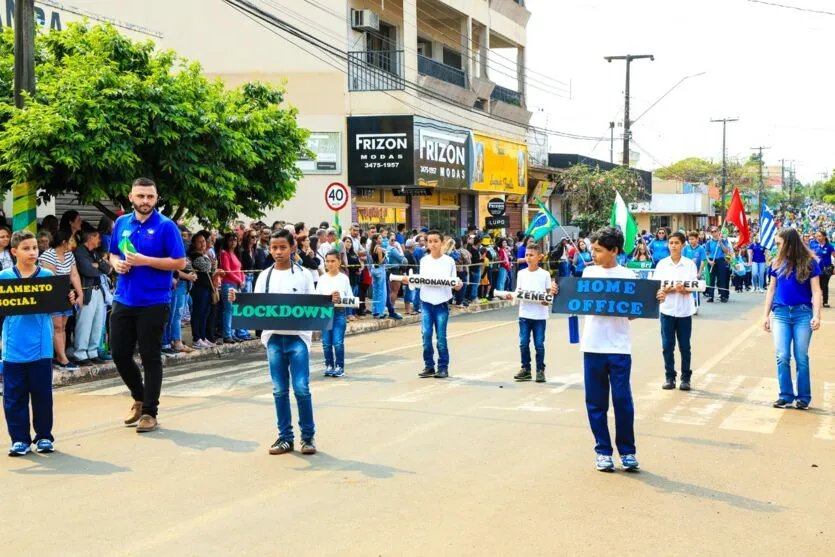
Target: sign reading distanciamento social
column 608, row 296
column 35, row 295
column 282, row 312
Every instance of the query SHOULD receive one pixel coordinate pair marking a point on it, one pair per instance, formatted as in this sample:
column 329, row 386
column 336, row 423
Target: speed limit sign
column 336, row 196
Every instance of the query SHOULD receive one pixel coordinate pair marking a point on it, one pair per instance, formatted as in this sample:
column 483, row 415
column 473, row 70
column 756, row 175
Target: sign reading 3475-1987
column 381, row 151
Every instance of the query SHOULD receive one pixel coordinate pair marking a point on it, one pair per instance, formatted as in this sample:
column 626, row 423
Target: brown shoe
column 146, row 423
column 180, row 347
column 135, row 413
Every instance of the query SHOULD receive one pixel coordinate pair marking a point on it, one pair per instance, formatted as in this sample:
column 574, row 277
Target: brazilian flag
column 541, row 224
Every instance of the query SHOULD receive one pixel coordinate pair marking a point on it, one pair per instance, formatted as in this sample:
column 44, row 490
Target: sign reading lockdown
column 611, row 297
column 381, row 151
column 282, row 312
column 35, row 295
column 442, row 154
column 500, row 166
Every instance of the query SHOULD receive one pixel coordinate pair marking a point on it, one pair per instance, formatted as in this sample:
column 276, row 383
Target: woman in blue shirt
column 658, row 247
column 582, row 258
column 823, row 251
column 756, row 258
column 794, row 299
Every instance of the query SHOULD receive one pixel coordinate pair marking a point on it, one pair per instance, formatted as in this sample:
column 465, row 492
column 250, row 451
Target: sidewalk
column 365, row 325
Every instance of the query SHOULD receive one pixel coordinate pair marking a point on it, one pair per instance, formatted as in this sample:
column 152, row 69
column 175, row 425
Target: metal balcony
column 427, row 66
column 506, row 95
column 376, row 70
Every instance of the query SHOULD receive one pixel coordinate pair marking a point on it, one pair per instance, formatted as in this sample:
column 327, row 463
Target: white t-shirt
column 603, row 334
column 340, row 283
column 442, row 267
column 292, row 281
column 675, row 304
column 536, row 281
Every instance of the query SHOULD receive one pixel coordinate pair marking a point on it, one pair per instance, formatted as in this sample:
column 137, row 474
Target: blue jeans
column 227, row 309
column 333, row 342
column 758, row 274
column 289, row 358
column 791, row 325
column 435, row 316
column 475, row 278
column 565, row 269
column 601, row 370
column 173, row 331
column 416, row 301
column 672, row 329
column 501, row 283
column 202, row 308
column 24, row 382
column 537, row 328
column 389, row 302
column 88, row 327
column 378, row 290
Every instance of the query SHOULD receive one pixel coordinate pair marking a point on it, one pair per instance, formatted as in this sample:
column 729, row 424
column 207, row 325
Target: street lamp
column 661, row 98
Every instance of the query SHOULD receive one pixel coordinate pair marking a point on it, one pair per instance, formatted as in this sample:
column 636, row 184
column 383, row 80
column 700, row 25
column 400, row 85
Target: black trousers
column 824, row 280
column 128, row 325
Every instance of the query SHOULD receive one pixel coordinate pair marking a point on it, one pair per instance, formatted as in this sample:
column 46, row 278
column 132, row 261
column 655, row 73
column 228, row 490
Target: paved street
column 475, row 465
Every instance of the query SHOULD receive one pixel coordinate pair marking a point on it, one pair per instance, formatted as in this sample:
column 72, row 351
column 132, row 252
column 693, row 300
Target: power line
column 796, row 8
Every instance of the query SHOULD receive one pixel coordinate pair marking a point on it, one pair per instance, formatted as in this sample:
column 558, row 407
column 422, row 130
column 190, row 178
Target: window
column 445, row 220
column 660, row 221
column 452, row 58
column 384, row 39
column 424, row 47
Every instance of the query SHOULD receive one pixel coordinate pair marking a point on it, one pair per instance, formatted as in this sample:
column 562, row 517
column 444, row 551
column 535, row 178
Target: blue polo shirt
column 659, row 249
column 27, row 338
column 757, row 253
column 697, row 254
column 712, row 249
column 823, row 252
column 789, row 292
column 158, row 236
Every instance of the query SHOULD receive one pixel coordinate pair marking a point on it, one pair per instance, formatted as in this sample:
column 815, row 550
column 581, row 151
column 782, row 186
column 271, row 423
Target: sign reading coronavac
column 633, row 298
column 501, row 166
column 35, row 295
column 282, row 312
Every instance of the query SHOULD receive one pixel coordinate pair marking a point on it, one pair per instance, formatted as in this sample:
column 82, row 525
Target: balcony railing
column 376, row 70
column 427, row 66
column 506, row 95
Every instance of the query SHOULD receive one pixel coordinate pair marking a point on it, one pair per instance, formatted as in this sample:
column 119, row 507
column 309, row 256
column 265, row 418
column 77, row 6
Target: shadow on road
column 324, row 461
column 667, row 485
column 203, row 441
column 63, row 464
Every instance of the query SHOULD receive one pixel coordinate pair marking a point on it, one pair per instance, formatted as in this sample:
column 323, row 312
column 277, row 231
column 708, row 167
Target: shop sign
column 496, row 206
column 442, row 154
column 412, row 192
column 380, row 215
column 497, row 222
column 327, row 154
column 381, row 151
column 500, row 166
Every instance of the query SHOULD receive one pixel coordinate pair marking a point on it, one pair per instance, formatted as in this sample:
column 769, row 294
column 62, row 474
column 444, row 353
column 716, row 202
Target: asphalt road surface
column 474, row 465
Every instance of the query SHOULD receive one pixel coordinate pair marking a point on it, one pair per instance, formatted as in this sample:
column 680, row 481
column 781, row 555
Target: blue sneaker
column 338, row 372
column 396, row 316
column 629, row 463
column 605, row 463
column 45, row 446
column 19, row 448
column 329, row 371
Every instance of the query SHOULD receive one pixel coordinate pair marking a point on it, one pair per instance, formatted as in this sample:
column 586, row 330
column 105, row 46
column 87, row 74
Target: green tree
column 108, row 109
column 692, row 170
column 590, row 193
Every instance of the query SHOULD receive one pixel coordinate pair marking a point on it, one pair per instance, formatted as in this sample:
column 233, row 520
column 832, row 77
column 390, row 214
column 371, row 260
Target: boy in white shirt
column 607, row 360
column 335, row 284
column 677, row 309
column 533, row 315
column 434, row 301
column 288, row 352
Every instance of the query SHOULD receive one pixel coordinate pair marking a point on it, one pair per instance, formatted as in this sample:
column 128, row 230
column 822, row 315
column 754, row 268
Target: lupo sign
column 611, row 297
column 283, row 312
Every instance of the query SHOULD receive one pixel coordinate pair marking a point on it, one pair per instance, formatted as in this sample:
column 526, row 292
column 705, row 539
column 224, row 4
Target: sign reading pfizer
column 609, row 297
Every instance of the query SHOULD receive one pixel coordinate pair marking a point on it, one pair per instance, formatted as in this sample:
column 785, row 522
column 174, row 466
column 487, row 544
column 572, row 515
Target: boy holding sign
column 27, row 358
column 607, row 360
column 533, row 315
column 288, row 352
column 334, row 284
column 677, row 309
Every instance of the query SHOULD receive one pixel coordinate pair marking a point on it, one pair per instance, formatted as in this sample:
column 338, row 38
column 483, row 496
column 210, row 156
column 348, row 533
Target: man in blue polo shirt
column 149, row 250
column 716, row 249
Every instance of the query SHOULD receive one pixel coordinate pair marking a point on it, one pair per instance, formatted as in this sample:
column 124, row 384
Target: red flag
column 736, row 215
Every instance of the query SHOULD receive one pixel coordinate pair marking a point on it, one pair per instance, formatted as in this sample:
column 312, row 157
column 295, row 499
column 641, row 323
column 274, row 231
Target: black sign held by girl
column 612, row 297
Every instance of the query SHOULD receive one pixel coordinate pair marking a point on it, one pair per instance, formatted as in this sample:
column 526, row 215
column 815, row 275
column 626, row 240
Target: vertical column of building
column 414, row 211
column 410, row 39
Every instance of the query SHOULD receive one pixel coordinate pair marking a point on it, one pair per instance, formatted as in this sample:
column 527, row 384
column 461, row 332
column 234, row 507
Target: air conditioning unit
column 365, row 20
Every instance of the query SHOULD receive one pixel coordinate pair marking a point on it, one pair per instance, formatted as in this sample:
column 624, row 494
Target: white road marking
column 729, row 348
column 700, row 406
column 565, row 382
column 654, row 395
column 756, row 414
column 826, row 430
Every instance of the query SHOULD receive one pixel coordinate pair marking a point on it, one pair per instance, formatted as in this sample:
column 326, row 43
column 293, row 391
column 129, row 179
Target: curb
column 92, row 373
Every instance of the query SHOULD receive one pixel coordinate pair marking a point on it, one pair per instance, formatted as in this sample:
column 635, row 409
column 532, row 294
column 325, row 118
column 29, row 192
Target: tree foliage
column 108, row 109
column 591, row 193
column 742, row 175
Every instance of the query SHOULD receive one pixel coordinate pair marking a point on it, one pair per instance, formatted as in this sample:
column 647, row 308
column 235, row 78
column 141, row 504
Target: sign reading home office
column 381, row 151
column 282, row 312
column 442, row 155
column 611, row 297
column 35, row 295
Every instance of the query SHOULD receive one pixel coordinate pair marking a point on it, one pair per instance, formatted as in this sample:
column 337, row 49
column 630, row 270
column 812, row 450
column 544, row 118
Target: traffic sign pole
column 336, row 198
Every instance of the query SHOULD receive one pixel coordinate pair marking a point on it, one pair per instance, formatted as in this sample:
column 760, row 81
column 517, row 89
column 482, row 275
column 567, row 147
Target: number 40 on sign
column 336, row 196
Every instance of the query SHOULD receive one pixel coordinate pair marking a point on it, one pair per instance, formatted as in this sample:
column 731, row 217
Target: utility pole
column 25, row 212
column 627, row 134
column 724, row 157
column 612, row 142
column 760, row 159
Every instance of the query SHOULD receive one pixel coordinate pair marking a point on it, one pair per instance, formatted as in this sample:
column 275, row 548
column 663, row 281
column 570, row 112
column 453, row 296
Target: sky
column 768, row 66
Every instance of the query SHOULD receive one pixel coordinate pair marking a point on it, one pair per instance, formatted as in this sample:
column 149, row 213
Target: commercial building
column 675, row 205
column 400, row 96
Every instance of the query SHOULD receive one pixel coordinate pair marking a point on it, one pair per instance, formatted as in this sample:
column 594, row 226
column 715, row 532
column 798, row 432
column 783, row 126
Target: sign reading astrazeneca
column 381, row 151
column 442, row 154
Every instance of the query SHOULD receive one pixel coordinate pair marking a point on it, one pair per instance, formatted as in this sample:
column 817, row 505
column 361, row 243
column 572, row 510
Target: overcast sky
column 769, row 66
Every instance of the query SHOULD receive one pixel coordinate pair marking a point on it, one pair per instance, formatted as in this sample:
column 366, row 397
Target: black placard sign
column 35, row 295
column 381, row 151
column 497, row 222
column 611, row 297
column 282, row 312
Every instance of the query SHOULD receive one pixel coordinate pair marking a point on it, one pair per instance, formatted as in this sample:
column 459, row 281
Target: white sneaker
column 207, row 343
column 605, row 463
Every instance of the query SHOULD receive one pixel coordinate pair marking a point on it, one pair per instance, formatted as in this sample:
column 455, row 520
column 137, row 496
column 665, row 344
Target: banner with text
column 501, row 166
column 443, row 155
column 35, row 295
column 608, row 296
column 282, row 312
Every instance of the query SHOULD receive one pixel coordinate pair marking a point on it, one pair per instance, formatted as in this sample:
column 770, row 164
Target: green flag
column 622, row 218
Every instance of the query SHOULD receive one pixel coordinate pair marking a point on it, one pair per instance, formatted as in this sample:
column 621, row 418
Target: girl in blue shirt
column 794, row 300
column 756, row 258
column 823, row 252
column 582, row 258
column 658, row 247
